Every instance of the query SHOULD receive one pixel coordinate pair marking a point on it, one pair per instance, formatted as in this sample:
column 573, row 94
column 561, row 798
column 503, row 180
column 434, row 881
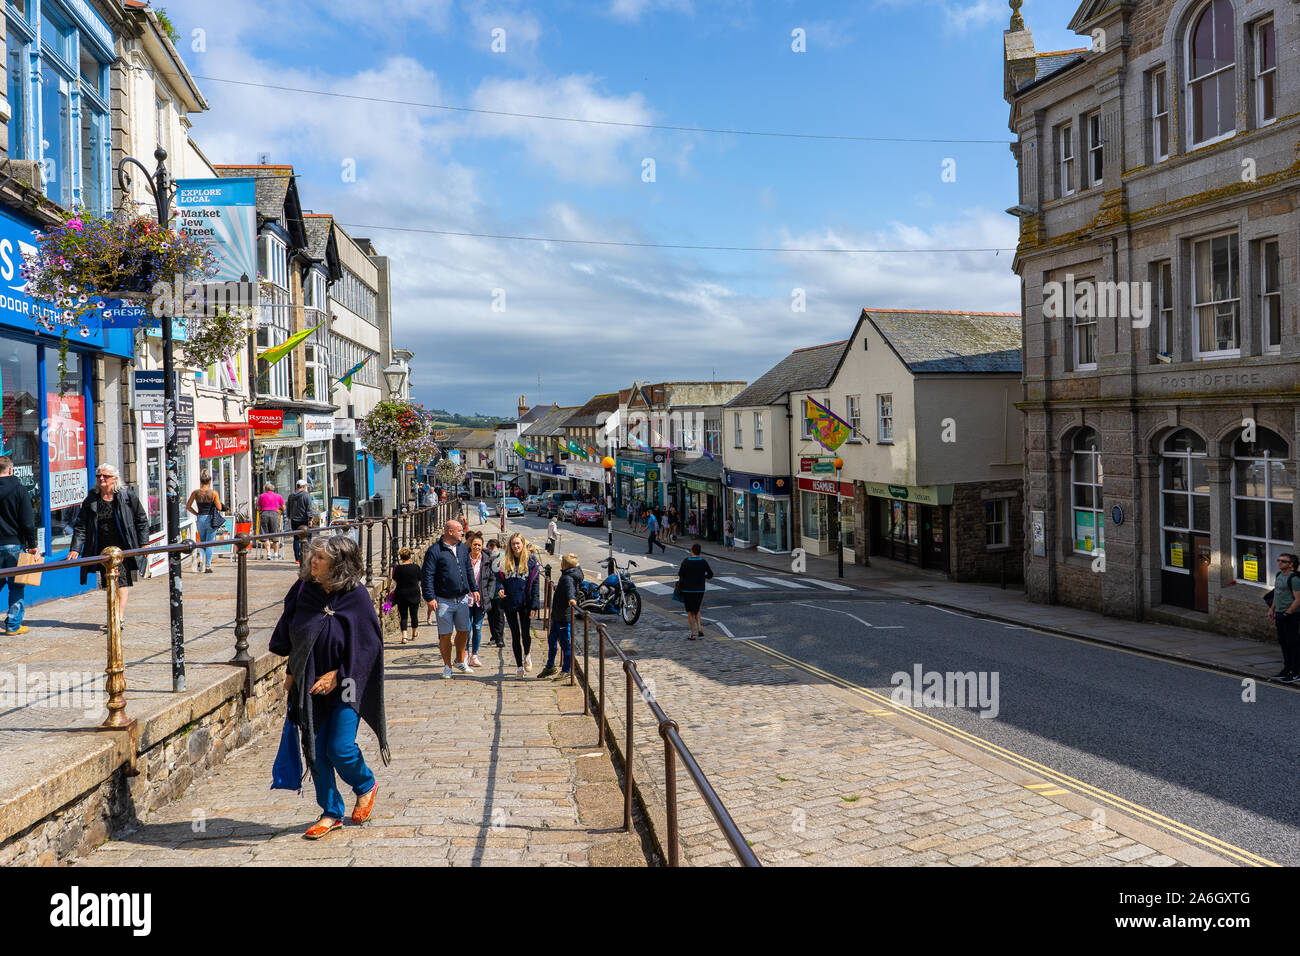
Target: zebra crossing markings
column 727, row 583
column 739, row 582
column 781, row 583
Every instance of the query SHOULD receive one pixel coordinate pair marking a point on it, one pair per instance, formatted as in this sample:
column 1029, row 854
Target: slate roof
column 951, row 341
column 594, row 412
column 477, row 438
column 1048, row 63
column 534, row 413
column 318, row 226
column 807, row 368
column 549, row 425
column 272, row 186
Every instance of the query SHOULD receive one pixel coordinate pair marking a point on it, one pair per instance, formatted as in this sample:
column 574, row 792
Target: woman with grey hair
column 270, row 507
column 111, row 516
column 331, row 635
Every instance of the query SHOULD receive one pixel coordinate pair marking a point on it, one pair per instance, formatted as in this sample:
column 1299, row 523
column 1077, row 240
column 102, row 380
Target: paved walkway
column 487, row 770
column 815, row 774
column 1239, row 655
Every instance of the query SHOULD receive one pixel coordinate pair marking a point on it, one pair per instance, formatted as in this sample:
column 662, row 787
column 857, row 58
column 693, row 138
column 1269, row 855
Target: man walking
column 300, row 516
column 447, row 579
column 1284, row 612
column 17, row 533
column 652, row 524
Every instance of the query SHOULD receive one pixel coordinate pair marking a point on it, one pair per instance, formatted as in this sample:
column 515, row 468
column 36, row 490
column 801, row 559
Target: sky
column 489, row 318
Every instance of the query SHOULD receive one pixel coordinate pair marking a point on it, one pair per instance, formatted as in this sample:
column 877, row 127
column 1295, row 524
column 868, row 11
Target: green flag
column 576, row 449
column 277, row 352
column 346, row 380
column 520, row 450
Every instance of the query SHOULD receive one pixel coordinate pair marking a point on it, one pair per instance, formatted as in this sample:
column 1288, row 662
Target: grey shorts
column 270, row 522
column 453, row 614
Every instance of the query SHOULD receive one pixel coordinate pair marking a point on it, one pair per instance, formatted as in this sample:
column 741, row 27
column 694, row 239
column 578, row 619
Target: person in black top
column 496, row 614
column 111, row 516
column 17, row 533
column 691, row 576
column 406, row 594
column 301, row 515
column 209, row 503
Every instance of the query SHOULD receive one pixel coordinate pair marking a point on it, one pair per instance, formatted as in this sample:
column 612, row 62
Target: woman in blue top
column 690, row 585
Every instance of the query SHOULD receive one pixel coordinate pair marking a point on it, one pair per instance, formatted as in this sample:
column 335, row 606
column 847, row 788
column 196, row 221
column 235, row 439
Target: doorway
column 1201, row 573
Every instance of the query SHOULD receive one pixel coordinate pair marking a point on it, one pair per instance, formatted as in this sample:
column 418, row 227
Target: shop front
column 759, row 505
column 699, row 498
column 638, row 480
column 588, row 479
column 817, row 506
column 911, row 523
column 223, row 454
column 317, row 436
column 277, row 448
column 47, row 418
column 542, row 475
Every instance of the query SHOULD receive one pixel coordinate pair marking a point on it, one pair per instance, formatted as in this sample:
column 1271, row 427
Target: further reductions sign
column 222, row 213
column 67, row 450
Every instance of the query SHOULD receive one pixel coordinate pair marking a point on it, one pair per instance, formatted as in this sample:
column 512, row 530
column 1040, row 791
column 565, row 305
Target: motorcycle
column 615, row 595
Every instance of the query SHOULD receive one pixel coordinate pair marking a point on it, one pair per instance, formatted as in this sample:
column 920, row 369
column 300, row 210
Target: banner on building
column 317, row 427
column 827, row 427
column 222, row 214
column 66, row 448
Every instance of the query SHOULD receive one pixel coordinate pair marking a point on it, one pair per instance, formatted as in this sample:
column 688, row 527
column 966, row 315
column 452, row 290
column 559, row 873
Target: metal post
column 572, row 636
column 839, row 530
column 609, row 515
column 392, row 537
column 115, row 685
column 600, row 706
column 370, row 557
column 586, row 664
column 241, row 601
column 670, row 787
column 546, row 610
column 627, row 762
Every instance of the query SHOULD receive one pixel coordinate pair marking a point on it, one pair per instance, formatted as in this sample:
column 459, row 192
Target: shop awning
column 510, row 477
column 704, row 469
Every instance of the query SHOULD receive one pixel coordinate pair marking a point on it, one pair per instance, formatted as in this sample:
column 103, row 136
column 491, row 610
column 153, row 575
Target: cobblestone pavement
column 484, row 772
column 814, row 774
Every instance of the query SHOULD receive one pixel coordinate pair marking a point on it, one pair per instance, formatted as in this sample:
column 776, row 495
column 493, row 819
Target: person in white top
column 552, row 536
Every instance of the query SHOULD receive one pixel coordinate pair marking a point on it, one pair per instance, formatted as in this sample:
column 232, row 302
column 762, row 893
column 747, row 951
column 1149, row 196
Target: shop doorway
column 934, row 522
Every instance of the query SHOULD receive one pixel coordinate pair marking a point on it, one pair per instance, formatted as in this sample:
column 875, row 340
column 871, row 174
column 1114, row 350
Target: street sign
column 822, row 468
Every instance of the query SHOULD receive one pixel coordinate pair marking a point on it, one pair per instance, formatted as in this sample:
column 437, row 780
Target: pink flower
column 75, row 223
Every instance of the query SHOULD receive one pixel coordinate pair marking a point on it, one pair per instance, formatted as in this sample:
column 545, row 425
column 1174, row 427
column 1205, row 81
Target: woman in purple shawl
column 331, row 635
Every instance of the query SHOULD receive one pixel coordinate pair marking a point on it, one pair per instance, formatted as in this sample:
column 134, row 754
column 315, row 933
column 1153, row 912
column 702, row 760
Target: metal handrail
column 673, row 745
column 422, row 524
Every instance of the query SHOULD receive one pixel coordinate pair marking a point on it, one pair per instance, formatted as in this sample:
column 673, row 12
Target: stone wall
column 167, row 768
column 970, row 556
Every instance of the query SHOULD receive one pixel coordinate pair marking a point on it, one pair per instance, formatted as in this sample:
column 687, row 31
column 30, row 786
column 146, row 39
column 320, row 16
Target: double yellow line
column 1182, row 830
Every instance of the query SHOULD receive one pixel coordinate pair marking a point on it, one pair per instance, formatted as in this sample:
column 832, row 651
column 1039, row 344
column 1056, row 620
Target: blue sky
column 592, row 319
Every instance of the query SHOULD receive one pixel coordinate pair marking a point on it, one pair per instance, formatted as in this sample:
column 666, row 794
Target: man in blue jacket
column 446, row 579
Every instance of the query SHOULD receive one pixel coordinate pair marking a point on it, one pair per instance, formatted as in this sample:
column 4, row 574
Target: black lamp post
column 395, row 376
column 160, row 187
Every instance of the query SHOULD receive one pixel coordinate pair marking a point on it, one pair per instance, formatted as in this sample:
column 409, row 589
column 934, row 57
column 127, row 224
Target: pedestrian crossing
column 664, row 585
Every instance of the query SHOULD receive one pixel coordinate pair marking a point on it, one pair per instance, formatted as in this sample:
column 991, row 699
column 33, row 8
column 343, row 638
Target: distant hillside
column 478, row 420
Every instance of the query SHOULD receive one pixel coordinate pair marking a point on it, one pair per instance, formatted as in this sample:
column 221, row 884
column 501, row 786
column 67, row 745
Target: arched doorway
column 1185, row 521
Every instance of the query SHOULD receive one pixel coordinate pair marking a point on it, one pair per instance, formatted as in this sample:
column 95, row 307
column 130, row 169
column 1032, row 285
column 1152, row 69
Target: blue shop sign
column 758, row 484
column 20, row 311
column 543, row 467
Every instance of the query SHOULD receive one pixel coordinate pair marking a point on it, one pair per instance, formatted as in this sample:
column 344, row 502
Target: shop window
column 1085, row 493
column 1184, row 497
column 1212, row 83
column 846, row 523
column 155, row 488
column 773, row 523
column 814, row 513
column 65, row 448
column 1216, row 294
column 21, row 420
column 1262, row 526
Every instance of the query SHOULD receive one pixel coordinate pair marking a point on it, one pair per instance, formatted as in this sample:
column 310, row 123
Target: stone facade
column 1211, row 365
column 970, row 555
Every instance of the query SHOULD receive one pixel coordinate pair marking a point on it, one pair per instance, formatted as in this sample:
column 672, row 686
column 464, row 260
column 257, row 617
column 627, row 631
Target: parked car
column 550, row 506
column 589, row 514
column 532, row 502
column 566, row 509
column 514, row 507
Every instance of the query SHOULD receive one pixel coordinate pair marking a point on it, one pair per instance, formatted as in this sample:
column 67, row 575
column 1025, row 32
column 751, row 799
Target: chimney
column 523, row 407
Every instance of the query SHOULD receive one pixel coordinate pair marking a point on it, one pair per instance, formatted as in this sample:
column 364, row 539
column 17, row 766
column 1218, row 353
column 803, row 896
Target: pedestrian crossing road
column 663, row 584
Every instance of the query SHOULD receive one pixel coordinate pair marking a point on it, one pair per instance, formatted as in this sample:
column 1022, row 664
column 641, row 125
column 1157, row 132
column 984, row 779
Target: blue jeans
column 476, row 615
column 9, row 559
column 336, row 749
column 556, row 638
column 203, row 524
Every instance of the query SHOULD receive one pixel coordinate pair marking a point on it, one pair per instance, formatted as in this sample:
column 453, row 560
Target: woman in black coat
column 691, row 576
column 111, row 516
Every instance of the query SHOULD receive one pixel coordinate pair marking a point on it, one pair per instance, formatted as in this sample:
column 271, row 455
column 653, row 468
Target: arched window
column 1184, row 497
column 1262, row 526
column 1211, row 73
column 1085, row 493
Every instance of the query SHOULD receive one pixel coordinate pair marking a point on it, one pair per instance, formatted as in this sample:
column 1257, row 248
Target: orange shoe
column 361, row 813
column 320, row 828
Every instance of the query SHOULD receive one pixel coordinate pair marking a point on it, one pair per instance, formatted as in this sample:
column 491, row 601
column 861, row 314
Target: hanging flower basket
column 404, row 429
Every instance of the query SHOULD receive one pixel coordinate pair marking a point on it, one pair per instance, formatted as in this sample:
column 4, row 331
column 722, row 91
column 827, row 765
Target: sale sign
column 66, row 449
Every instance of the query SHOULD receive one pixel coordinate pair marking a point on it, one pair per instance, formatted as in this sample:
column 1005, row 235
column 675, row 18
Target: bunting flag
column 277, row 352
column 827, row 427
column 576, row 449
column 530, row 449
column 661, row 442
column 632, row 437
column 707, row 455
column 346, row 380
column 520, row 450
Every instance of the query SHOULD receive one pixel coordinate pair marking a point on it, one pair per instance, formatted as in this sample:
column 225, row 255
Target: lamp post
column 395, row 376
column 839, row 518
column 608, row 464
column 160, row 187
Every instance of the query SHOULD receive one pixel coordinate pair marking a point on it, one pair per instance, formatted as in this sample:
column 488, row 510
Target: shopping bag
column 32, row 578
column 287, row 772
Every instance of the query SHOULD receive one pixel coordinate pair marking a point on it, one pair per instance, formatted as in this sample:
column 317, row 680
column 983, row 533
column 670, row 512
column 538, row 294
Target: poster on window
column 1083, row 532
column 66, row 448
column 1250, row 565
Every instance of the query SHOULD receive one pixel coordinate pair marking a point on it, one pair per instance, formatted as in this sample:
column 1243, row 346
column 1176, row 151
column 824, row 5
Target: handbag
column 287, row 772
column 31, row 578
column 217, row 522
column 677, row 593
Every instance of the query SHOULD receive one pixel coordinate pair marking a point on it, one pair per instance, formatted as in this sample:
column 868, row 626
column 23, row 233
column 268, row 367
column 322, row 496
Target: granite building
column 1159, row 173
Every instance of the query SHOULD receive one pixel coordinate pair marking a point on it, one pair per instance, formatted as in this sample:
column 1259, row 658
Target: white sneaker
column 519, row 672
column 528, row 662
column 463, row 667
column 446, row 673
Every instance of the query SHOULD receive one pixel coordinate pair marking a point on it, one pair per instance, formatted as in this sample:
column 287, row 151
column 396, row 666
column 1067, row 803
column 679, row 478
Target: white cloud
column 522, row 30
column 633, row 9
column 961, row 15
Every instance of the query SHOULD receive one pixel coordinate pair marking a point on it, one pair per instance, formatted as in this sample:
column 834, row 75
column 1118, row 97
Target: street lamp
column 395, row 376
column 159, row 184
